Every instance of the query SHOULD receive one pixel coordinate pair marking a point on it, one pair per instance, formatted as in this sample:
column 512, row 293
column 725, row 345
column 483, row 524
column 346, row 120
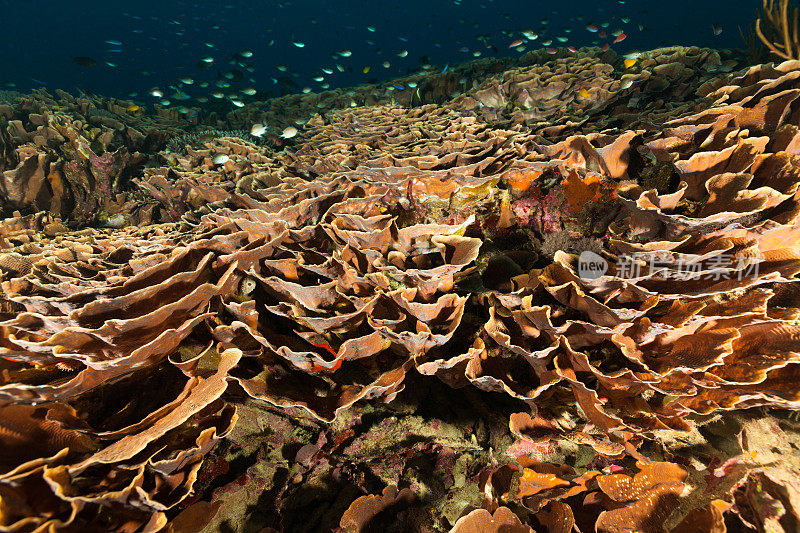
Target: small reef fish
column 241, row 76
column 289, row 132
column 220, row 159
column 258, row 130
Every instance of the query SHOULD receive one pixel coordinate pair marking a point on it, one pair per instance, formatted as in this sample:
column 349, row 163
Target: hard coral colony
column 197, row 342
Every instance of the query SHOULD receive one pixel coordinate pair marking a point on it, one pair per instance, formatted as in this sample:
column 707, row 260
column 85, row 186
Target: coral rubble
column 604, row 286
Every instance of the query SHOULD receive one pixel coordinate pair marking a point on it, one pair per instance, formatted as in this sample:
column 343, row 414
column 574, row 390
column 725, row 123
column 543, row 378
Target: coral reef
column 607, row 297
column 560, row 95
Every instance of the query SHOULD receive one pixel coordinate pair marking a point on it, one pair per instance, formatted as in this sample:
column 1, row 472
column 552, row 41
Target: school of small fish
column 232, row 77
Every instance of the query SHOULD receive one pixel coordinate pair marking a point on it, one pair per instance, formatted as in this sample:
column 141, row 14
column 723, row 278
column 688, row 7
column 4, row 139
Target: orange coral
column 581, row 190
column 361, row 515
column 521, row 180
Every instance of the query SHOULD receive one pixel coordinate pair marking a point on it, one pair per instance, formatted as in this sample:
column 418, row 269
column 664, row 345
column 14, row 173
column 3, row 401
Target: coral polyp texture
column 517, row 308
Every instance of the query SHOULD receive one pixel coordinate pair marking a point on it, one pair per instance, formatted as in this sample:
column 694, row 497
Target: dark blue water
column 162, row 41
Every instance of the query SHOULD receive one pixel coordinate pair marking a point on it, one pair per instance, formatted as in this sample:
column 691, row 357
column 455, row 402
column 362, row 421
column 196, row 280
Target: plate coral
column 519, row 308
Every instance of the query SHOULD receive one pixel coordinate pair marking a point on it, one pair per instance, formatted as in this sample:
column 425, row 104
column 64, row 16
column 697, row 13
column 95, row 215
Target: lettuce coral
column 388, row 245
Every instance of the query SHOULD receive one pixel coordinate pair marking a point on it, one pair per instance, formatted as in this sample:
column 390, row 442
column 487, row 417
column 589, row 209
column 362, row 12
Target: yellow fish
column 365, row 70
column 133, row 108
column 629, row 63
column 584, row 93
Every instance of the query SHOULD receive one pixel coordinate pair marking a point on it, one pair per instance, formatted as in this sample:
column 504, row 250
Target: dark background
column 164, row 40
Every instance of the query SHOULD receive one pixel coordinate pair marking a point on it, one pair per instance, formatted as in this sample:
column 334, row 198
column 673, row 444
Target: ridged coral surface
column 520, row 309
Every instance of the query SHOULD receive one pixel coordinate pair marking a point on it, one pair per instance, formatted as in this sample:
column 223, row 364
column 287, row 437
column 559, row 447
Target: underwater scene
column 460, row 266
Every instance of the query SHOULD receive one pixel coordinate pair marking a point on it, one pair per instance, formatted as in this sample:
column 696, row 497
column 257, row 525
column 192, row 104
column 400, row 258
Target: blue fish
column 40, row 82
column 445, row 68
